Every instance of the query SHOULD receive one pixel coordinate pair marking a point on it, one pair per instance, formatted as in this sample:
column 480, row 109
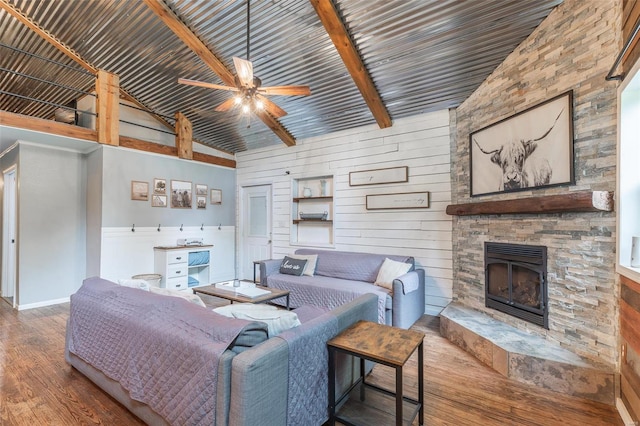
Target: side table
column 385, row 345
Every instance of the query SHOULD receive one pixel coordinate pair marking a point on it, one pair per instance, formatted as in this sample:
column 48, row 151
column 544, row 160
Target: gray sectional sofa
column 174, row 362
column 340, row 277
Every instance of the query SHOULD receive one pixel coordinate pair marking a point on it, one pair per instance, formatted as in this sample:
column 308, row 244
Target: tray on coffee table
column 238, row 296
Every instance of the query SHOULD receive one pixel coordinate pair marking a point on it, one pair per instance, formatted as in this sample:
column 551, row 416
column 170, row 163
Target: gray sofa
column 257, row 379
column 341, row 276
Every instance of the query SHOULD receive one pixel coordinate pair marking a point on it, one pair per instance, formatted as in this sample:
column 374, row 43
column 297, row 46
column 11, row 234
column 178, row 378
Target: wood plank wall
column 420, row 142
column 630, row 15
column 630, row 336
column 629, row 289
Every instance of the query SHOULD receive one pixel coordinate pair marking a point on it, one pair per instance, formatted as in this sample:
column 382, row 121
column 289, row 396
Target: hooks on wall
column 158, row 227
column 180, row 227
column 220, row 227
column 133, row 228
column 202, row 227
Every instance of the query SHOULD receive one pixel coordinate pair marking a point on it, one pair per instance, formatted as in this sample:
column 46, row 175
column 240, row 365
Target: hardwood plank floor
column 38, row 387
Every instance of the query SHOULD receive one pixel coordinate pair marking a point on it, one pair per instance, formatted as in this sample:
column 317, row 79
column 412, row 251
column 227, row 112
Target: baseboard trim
column 624, row 413
column 43, row 304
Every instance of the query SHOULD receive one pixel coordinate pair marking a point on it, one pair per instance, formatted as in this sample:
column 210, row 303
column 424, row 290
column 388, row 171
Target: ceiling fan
column 248, row 88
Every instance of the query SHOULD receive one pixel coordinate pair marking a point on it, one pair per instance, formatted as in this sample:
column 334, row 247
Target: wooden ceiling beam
column 184, row 33
column 351, row 58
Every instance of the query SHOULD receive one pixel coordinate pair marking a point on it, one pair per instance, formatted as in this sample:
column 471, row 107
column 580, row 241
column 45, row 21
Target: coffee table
column 233, row 296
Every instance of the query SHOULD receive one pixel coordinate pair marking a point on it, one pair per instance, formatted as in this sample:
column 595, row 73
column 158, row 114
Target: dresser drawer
column 177, row 257
column 179, row 283
column 179, row 270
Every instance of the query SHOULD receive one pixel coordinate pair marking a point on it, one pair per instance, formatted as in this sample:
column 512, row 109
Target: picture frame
column 201, row 190
column 158, row 200
column 181, row 194
column 201, row 202
column 400, row 200
column 139, row 190
column 379, row 176
column 216, row 196
column 529, row 150
column 159, row 186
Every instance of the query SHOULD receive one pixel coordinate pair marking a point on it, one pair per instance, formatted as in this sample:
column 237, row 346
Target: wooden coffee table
column 233, row 296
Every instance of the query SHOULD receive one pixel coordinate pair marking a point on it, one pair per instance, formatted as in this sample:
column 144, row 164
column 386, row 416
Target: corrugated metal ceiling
column 422, row 55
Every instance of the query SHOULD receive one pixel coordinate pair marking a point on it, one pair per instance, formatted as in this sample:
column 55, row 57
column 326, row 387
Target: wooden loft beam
column 338, row 33
column 184, row 140
column 184, row 33
column 107, row 106
column 20, row 121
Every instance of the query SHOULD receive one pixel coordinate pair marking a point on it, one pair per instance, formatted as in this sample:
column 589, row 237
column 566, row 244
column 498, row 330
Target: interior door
column 256, row 228
column 9, row 237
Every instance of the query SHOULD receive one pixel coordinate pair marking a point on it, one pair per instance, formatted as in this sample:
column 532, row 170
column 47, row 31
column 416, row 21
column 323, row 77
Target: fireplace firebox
column 516, row 281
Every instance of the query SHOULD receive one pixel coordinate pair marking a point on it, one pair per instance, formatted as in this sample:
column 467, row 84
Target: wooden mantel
column 582, row 201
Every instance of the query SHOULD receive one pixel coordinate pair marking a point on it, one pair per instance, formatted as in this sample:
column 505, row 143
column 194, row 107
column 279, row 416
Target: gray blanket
column 327, row 292
column 163, row 350
column 308, row 398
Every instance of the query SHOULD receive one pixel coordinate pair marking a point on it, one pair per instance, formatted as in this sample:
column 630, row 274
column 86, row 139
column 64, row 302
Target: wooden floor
column 38, row 387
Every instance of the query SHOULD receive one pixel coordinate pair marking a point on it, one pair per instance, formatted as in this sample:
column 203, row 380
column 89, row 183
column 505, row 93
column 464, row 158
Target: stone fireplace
column 516, row 281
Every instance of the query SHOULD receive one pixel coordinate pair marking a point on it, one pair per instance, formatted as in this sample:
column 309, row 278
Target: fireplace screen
column 515, row 277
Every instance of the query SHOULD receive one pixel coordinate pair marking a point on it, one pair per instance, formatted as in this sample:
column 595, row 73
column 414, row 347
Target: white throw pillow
column 135, row 283
column 311, row 259
column 277, row 320
column 389, row 271
column 187, row 295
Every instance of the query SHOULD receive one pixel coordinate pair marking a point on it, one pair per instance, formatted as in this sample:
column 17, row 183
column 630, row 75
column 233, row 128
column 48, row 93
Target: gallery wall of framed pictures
column 175, row 193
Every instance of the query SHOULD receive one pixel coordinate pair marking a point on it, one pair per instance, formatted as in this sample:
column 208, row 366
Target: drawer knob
column 178, row 285
column 179, row 258
column 177, row 272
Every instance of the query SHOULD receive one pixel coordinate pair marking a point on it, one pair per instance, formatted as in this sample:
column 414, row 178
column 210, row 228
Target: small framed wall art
column 139, row 190
column 201, row 202
column 201, row 190
column 160, row 186
column 403, row 200
column 158, row 200
column 180, row 194
column 377, row 176
column 216, row 196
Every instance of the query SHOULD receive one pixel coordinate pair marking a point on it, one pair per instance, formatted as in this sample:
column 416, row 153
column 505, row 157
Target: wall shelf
column 298, row 199
column 315, row 221
column 314, row 196
column 582, row 201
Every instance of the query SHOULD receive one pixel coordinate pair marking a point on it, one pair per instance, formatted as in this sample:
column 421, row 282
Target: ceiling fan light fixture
column 259, row 104
column 246, row 109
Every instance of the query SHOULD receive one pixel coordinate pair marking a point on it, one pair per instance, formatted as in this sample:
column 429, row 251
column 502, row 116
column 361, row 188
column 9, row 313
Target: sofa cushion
column 277, row 320
column 389, row 271
column 135, row 283
column 310, row 267
column 351, row 265
column 292, row 266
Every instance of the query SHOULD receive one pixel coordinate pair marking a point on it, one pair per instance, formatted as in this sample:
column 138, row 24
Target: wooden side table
column 385, row 345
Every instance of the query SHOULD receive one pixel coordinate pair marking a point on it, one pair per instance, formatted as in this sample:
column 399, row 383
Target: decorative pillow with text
column 291, row 266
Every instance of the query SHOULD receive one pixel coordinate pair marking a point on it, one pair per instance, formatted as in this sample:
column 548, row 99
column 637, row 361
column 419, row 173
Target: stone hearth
column 525, row 357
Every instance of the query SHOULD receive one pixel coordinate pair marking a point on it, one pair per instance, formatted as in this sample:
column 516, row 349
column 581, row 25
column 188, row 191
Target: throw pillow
column 277, row 320
column 187, row 295
column 292, row 266
column 310, row 267
column 135, row 283
column 389, row 271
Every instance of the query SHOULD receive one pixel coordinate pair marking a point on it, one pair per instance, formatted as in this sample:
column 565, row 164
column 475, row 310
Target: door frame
column 242, row 225
column 10, row 203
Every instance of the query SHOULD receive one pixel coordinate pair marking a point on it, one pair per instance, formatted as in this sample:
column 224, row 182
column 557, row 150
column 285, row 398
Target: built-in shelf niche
column 312, row 195
column 628, row 199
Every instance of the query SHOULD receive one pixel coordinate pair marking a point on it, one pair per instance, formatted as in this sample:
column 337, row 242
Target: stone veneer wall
column 572, row 49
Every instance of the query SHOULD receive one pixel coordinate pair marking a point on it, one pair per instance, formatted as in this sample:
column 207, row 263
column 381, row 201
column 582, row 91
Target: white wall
column 421, row 142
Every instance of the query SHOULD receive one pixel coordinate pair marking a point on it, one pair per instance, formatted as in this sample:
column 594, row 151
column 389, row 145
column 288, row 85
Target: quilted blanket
column 327, row 292
column 163, row 350
column 308, row 398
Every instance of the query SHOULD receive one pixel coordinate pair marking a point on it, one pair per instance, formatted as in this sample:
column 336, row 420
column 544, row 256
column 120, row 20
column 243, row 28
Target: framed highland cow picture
column 532, row 149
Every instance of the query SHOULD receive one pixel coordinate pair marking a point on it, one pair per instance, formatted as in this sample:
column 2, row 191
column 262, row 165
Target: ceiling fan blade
column 226, row 105
column 207, row 85
column 271, row 107
column 285, row 90
column 244, row 69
